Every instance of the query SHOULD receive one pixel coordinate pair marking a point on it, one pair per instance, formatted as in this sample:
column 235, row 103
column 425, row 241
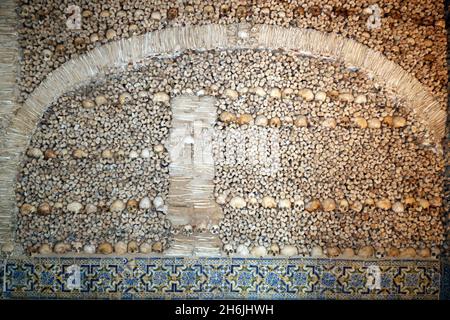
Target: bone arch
column 87, row 67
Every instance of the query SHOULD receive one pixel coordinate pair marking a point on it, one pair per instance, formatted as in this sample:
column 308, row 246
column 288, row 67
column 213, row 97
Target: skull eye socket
column 46, row 54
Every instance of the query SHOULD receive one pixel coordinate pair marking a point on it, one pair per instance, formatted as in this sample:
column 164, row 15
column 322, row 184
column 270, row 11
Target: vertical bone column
column 191, row 192
column 9, row 57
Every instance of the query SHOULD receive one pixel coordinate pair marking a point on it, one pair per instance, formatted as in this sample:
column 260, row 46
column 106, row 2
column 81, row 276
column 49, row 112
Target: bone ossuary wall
column 261, row 164
column 285, row 127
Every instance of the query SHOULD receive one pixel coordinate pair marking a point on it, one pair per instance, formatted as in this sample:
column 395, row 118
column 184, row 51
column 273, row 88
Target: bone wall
column 352, row 170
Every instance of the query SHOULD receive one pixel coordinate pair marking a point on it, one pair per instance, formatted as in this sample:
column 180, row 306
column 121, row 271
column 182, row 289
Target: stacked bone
column 96, row 171
column 191, row 201
column 411, row 34
column 315, row 220
column 123, row 125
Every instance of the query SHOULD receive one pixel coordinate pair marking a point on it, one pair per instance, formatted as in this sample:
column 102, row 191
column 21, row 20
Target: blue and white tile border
column 220, row 278
column 209, row 278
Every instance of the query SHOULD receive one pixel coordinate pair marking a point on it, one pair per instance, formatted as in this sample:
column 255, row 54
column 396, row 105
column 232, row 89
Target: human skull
column 158, row 247
column 299, row 205
column 175, row 230
column 228, row 248
column 25, row 11
column 289, row 251
column 187, row 230
column 379, row 253
column 79, row 43
column 435, row 252
column 8, row 248
column 214, row 229
column 47, row 54
column 61, row 248
column 274, row 249
column 133, row 247
column 77, row 246
column 158, row 202
column 343, row 205
column 201, row 227
column 89, row 249
column 259, row 251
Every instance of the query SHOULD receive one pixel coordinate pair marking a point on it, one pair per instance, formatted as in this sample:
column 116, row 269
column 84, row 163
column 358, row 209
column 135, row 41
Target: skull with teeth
column 187, row 230
column 201, row 227
column 132, row 206
column 299, row 205
column 158, row 247
column 79, row 43
column 176, row 230
column 228, row 248
column 379, row 253
column 47, row 54
column 274, row 249
column 435, row 252
column 78, row 246
column 214, row 229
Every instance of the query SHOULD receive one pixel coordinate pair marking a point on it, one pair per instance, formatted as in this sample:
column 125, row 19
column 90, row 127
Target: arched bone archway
column 83, row 69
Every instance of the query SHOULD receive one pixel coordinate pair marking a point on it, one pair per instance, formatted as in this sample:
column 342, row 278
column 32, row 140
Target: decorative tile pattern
column 221, row 278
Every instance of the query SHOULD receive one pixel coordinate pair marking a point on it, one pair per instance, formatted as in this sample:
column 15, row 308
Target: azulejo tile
column 187, row 278
column 416, row 280
column 301, row 279
column 216, row 276
column 157, row 279
column 244, row 279
column 49, row 277
column 20, row 277
column 273, row 279
column 221, row 278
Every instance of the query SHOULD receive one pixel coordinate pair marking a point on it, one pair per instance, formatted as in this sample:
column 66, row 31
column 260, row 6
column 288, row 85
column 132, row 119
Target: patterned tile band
column 219, row 278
